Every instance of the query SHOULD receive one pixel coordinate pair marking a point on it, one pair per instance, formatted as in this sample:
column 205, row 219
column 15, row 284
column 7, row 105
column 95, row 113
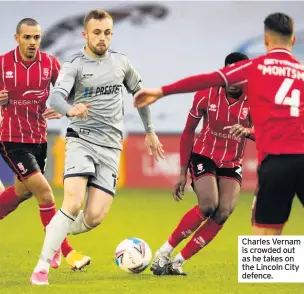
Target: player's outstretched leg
column 44, row 194
column 11, row 197
column 58, row 228
column 188, row 224
column 207, row 191
column 229, row 190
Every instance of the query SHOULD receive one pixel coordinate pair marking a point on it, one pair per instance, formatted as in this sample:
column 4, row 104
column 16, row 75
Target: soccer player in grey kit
column 94, row 79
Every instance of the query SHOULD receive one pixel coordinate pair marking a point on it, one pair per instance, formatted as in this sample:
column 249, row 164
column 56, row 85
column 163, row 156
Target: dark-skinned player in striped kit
column 214, row 159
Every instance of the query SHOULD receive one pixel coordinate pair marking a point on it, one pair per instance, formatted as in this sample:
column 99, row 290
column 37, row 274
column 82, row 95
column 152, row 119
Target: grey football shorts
column 100, row 164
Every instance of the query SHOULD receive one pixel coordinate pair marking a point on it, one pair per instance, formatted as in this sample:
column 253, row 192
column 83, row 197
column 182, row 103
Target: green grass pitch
column 147, row 214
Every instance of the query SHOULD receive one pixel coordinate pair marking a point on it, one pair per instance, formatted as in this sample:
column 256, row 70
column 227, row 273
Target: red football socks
column 9, row 201
column 47, row 211
column 201, row 238
column 188, row 224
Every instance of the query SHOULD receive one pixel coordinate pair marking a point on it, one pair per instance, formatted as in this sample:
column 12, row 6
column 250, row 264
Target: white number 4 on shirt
column 293, row 101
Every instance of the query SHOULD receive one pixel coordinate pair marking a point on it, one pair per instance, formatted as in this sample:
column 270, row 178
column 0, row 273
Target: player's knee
column 22, row 192
column 72, row 206
column 72, row 201
column 221, row 215
column 208, row 206
column 207, row 210
column 94, row 221
column 45, row 197
column 96, row 217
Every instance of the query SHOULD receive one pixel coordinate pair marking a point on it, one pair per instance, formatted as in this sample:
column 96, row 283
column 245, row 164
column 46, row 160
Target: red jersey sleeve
column 55, row 69
column 236, row 74
column 194, row 83
column 200, row 103
column 197, row 111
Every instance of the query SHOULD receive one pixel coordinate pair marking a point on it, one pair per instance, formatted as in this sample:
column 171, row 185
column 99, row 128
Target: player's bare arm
column 186, row 144
column 50, row 113
column 153, row 145
column 146, row 97
column 3, row 97
column 239, row 131
column 179, row 187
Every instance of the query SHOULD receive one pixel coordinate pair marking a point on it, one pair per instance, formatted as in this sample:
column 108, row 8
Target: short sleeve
column 66, row 78
column 200, row 103
column 55, row 69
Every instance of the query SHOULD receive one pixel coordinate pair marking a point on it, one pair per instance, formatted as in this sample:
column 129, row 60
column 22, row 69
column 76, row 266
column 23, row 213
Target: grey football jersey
column 98, row 82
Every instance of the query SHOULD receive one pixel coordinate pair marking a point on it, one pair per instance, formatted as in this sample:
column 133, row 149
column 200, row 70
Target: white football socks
column 80, row 225
column 166, row 248
column 56, row 231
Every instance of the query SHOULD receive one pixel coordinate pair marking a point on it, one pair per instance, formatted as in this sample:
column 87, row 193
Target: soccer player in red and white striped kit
column 25, row 77
column 215, row 162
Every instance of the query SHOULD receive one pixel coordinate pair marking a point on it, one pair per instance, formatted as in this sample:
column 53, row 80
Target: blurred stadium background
column 165, row 41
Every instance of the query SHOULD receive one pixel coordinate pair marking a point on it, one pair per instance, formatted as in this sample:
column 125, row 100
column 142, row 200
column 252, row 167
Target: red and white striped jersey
column 28, row 85
column 275, row 86
column 219, row 113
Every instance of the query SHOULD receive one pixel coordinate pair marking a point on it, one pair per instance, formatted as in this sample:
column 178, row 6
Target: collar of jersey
column 18, row 57
column 280, row 50
column 106, row 56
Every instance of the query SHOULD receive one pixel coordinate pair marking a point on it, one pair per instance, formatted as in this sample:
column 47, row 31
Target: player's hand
column 153, row 146
column 79, row 110
column 3, row 97
column 179, row 188
column 239, row 131
column 146, row 97
column 50, row 113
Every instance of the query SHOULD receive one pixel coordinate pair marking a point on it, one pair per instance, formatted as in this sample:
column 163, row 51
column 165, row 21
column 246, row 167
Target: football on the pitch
column 133, row 255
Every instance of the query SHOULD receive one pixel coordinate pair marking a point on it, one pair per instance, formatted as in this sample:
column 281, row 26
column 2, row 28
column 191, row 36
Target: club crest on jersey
column 21, row 167
column 200, row 168
column 212, row 107
column 9, row 74
column 245, row 112
column 46, row 73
